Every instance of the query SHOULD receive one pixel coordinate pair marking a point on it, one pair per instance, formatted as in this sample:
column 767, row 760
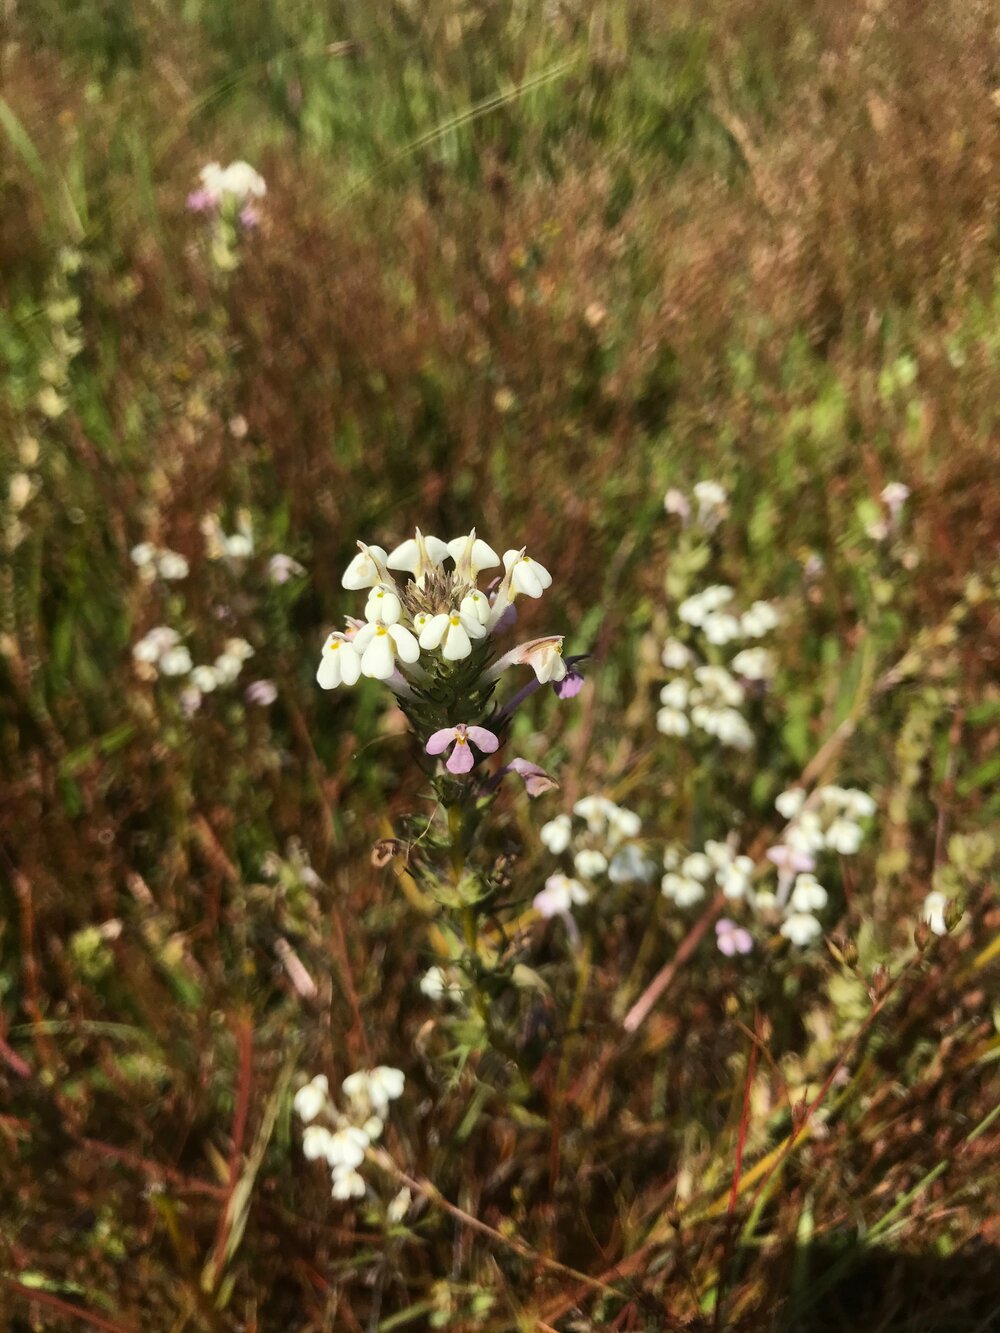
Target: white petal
column 378, row 659
column 456, row 642
column 384, row 605
column 363, row 572
column 407, row 647
column 433, row 632
column 405, row 556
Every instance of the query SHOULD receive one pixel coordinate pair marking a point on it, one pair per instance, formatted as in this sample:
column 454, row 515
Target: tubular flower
column 340, row 663
column 526, row 575
column 367, row 568
column 461, row 760
column 379, row 645
column 544, row 656
column 471, row 556
column 453, row 633
column 419, row 556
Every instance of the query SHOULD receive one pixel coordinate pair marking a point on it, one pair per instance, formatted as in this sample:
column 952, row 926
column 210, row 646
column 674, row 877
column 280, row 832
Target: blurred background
column 523, row 267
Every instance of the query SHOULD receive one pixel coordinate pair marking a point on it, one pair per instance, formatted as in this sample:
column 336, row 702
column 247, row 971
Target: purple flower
column 281, row 567
column 202, row 201
column 536, row 780
column 732, row 938
column 460, row 760
column 572, row 683
column 263, row 692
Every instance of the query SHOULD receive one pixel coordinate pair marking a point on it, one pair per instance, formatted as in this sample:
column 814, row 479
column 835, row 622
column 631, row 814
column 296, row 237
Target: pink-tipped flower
column 459, row 737
column 536, row 780
column 572, row 683
column 731, row 938
column 544, row 656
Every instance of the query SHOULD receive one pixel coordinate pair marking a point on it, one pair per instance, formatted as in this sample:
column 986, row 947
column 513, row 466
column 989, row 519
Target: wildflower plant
column 432, row 635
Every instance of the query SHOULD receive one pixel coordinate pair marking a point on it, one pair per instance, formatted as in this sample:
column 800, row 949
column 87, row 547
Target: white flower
column 526, row 575
column 696, row 866
column 175, row 661
column 589, row 863
column 806, row 834
column 384, row 605
column 624, row 823
column 675, row 694
column 556, row 834
column 347, row 1184
column 710, row 494
column 559, row 896
column 366, row 569
column 858, row 803
column 676, row 502
column 347, row 1147
column 340, row 663
column 239, row 179
column 227, row 667
column 596, row 810
column 418, row 556
column 808, row 894
column 844, row 836
column 734, row 880
column 374, row 1088
column 721, row 627
column 316, row 1142
column 760, row 620
column 790, row 802
column 716, row 680
column 629, row 866
column 471, row 556
column 435, row 984
column 238, row 648
column 726, row 724
column 238, row 546
column 895, row 495
column 933, row 912
column 685, row 892
column 453, row 633
column 753, row 664
column 693, row 610
column 475, row 606
column 143, row 555
column 720, row 854
column 675, row 655
column 380, row 644
column 672, row 722
column 281, row 567
column 152, row 646
column 312, row 1099
column 204, row 679
column 671, row 858
column 544, row 656
column 801, row 929
column 172, row 565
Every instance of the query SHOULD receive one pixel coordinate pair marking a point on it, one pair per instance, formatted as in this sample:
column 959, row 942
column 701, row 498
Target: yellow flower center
column 334, row 645
column 381, row 630
column 456, row 620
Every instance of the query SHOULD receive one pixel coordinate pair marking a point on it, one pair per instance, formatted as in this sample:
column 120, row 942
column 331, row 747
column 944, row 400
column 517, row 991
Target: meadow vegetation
column 529, row 269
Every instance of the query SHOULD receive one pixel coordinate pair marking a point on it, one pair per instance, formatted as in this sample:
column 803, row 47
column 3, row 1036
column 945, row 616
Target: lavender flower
column 731, row 938
column 461, row 759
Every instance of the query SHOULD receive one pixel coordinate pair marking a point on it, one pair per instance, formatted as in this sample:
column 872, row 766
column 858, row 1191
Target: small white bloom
column 683, row 891
column 152, row 646
column 471, row 556
column 451, row 632
column 143, row 555
column 672, row 722
column 720, row 854
column 693, row 610
column 808, row 894
column 790, row 802
column 895, row 495
column 384, row 605
column 671, row 858
column 435, row 984
column 239, row 179
column 316, row 1142
column 527, row 576
column 340, row 663
column 629, row 866
column 721, row 628
column 589, row 863
column 675, row 693
column 676, row 502
column 753, row 664
column 933, row 912
column 347, row 1184
column 710, row 494
column 239, row 648
column 203, row 678
column 734, row 880
column 398, row 1207
column 238, row 546
column 176, row 661
column 676, row 656
column 373, row 1128
column 696, row 866
column 801, row 929
column 596, row 810
column 347, row 1147
column 281, row 567
column 560, row 895
column 844, row 836
column 172, row 566
column 366, row 569
column 418, row 556
column 475, row 606
column 312, row 1099
column 226, row 668
column 385, row 1085
column 806, row 834
column 556, row 834
column 624, row 823
column 380, row 645
column 858, row 803
column 760, row 620
column 717, row 681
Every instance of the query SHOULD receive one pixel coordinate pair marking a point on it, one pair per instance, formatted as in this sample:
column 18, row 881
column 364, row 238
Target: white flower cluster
column 235, row 546
column 346, row 1137
column 706, row 696
column 160, row 652
column 602, row 845
column 152, row 560
column 687, row 877
column 239, row 181
column 438, row 610
column 830, row 820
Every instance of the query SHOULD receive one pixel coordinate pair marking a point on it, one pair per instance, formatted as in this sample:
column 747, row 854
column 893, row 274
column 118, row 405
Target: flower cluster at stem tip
column 429, row 631
column 342, row 1137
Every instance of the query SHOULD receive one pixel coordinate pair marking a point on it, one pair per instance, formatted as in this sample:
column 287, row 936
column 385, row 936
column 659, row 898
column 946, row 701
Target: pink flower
column 262, row 692
column 461, row 759
column 732, row 938
column 536, row 780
